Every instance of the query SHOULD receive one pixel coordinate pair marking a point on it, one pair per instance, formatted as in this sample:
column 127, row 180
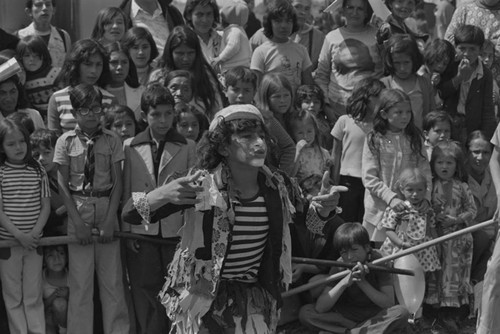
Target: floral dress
column 413, row 226
column 454, row 198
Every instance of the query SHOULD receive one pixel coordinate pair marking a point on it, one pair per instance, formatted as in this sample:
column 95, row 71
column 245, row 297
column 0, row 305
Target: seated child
column 362, row 302
column 55, row 289
column 437, row 128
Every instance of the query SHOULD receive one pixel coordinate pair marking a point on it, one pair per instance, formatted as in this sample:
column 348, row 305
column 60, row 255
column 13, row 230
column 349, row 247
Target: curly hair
column 309, row 92
column 357, row 103
column 212, row 142
column 388, row 99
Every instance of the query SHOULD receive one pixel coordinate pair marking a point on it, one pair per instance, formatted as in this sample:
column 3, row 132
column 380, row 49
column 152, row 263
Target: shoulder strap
column 63, row 37
column 311, row 33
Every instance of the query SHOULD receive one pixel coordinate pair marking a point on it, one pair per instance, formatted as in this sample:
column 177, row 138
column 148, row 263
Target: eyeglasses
column 86, row 111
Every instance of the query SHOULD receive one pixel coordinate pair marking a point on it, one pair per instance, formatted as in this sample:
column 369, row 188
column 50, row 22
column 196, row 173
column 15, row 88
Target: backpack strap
column 63, row 37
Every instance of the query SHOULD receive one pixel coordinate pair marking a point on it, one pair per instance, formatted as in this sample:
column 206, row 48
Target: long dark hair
column 7, row 126
column 204, row 86
column 388, row 99
column 131, row 79
column 81, row 51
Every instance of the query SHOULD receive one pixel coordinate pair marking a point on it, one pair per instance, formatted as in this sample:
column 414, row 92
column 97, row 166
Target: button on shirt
column 156, row 23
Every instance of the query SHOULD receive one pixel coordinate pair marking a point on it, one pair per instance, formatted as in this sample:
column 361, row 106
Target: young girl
column 40, row 74
column 142, row 50
column 480, row 182
column 438, row 56
column 310, row 157
column 402, row 61
column 86, row 63
column 55, row 288
column 24, row 211
column 349, row 135
column 121, row 120
column 190, row 123
column 310, row 98
column 394, row 144
column 183, row 52
column 412, row 226
column 274, row 100
column 455, row 209
column 110, row 26
column 231, row 294
column 280, row 54
column 123, row 83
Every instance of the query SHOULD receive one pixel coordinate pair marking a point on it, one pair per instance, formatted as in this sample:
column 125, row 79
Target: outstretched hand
column 181, row 191
column 328, row 198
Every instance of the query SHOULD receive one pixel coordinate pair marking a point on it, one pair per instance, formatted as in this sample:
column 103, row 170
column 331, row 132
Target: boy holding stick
column 362, row 301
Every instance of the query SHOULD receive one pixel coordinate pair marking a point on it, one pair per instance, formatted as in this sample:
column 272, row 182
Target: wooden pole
column 391, row 257
column 61, row 240
column 329, row 263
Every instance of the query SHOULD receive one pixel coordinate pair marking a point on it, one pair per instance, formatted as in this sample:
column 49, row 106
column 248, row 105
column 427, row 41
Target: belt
column 86, row 193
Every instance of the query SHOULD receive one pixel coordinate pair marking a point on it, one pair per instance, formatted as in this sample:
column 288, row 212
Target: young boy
column 468, row 97
column 153, row 158
column 240, row 85
column 57, row 40
column 437, row 128
column 43, row 142
column 362, row 302
column 90, row 181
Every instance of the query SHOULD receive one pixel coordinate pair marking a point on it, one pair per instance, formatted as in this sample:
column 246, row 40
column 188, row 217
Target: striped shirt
column 22, row 188
column 249, row 237
column 59, row 116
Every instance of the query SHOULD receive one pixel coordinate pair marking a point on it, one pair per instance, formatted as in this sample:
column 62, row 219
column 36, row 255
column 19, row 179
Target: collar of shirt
column 478, row 72
column 136, row 9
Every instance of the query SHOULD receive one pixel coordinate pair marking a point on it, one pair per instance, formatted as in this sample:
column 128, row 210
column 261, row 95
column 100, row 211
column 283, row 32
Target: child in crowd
column 480, row 182
column 89, row 161
column 87, row 63
column 43, row 142
column 280, row 54
column 349, row 135
column 238, row 295
column 274, row 102
column 438, row 59
column 455, row 209
column 240, row 85
column 121, row 120
column 468, row 96
column 394, row 144
column 55, row 288
column 488, row 57
column 395, row 23
column 437, row 128
column 402, row 61
column 110, row 26
column 235, row 48
column 152, row 158
column 123, row 83
column 190, row 123
column 361, row 302
column 310, row 98
column 181, row 85
column 142, row 50
column 40, row 74
column 414, row 225
column 183, row 52
column 24, row 212
column 310, row 157
column 57, row 40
